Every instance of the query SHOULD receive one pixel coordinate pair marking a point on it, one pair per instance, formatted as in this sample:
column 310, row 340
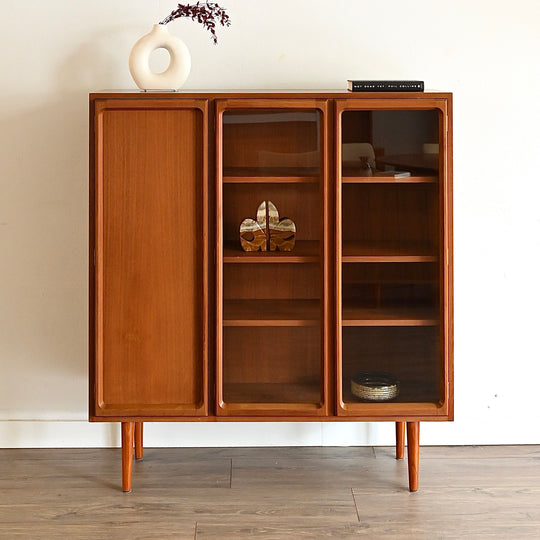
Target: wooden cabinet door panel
column 151, row 278
column 272, row 317
column 393, row 254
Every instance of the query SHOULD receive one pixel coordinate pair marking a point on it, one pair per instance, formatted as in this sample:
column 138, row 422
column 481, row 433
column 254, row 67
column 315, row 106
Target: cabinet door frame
column 224, row 409
column 98, row 409
column 444, row 409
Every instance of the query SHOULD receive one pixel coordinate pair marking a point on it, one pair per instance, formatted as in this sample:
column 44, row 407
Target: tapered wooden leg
column 413, row 453
column 138, row 440
column 400, row 440
column 127, row 455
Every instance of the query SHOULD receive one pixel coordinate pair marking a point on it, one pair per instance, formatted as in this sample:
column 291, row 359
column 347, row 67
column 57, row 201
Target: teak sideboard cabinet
column 186, row 325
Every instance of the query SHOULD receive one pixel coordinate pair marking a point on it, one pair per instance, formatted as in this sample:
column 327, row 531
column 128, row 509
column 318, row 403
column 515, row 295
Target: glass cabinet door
column 271, row 269
column 391, row 258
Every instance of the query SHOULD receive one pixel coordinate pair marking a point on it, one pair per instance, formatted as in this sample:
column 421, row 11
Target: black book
column 385, row 86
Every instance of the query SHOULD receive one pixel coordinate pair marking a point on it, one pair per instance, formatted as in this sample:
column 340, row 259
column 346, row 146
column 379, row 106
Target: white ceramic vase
column 139, row 60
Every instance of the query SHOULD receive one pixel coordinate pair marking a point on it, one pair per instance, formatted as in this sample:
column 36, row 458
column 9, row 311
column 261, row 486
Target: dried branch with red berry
column 208, row 14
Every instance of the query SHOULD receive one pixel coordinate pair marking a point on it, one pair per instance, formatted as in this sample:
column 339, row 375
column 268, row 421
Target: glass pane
column 403, row 290
column 274, row 141
column 391, row 256
column 272, row 270
column 408, row 355
column 271, row 334
column 405, row 142
column 390, row 218
column 299, row 202
column 272, row 365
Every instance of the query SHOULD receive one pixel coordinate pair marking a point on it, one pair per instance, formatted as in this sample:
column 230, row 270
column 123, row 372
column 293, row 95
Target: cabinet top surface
column 336, row 94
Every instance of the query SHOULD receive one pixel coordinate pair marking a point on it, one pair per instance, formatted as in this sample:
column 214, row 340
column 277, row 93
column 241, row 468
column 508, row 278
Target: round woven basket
column 375, row 386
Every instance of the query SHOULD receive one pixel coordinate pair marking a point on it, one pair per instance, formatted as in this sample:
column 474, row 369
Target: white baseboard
column 82, row 434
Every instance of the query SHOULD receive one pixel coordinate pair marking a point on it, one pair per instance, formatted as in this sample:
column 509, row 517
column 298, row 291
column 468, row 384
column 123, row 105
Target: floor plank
column 274, row 493
column 450, row 512
column 309, row 472
column 278, row 530
column 470, row 452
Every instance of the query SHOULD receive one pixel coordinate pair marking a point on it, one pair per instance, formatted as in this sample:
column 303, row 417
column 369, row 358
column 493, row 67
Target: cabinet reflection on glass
column 272, row 144
column 390, row 143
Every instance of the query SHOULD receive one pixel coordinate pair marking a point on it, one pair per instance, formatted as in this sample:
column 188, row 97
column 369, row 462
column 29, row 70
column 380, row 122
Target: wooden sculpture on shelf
column 253, row 233
column 282, row 231
column 268, row 233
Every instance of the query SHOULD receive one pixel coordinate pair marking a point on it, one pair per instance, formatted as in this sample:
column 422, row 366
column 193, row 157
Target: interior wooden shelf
column 305, row 251
column 388, row 316
column 387, row 178
column 294, row 312
column 358, row 252
column 265, row 393
column 390, row 280
column 267, row 175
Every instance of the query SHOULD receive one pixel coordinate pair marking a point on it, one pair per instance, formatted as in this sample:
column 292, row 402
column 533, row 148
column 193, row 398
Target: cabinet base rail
column 132, row 439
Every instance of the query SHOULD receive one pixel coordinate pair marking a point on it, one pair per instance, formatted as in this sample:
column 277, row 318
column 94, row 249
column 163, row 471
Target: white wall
column 485, row 51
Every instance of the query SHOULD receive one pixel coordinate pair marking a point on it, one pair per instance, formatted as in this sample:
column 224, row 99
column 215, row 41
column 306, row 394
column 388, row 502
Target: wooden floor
column 465, row 492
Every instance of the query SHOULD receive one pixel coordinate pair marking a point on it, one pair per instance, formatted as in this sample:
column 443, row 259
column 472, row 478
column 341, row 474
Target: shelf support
column 413, row 453
column 400, row 440
column 127, row 455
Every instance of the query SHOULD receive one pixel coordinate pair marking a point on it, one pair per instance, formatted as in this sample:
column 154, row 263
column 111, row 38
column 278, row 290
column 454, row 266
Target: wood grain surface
column 150, row 259
column 274, row 493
